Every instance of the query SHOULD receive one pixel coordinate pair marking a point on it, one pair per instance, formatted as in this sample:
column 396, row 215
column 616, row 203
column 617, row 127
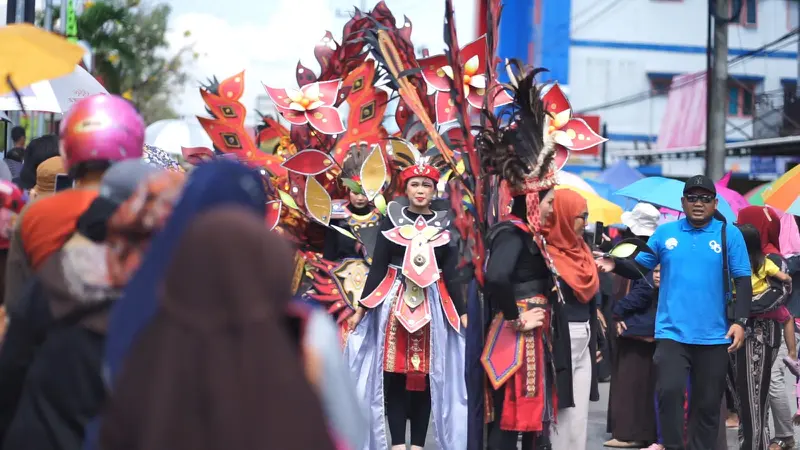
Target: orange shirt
column 49, row 222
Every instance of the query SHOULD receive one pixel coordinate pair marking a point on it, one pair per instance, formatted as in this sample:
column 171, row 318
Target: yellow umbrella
column 600, row 209
column 29, row 54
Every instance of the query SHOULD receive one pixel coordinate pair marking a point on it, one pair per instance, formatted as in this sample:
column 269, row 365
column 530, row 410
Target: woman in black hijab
column 218, row 367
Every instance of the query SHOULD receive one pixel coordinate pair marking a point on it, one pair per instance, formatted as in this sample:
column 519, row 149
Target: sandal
column 782, row 444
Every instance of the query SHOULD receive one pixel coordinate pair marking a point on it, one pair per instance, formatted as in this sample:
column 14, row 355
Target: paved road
column 597, row 422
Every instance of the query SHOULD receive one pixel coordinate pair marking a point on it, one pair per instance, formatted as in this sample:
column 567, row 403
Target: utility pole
column 715, row 140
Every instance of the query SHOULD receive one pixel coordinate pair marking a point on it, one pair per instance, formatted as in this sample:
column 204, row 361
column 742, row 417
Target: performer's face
column 358, row 200
column 546, row 207
column 419, row 191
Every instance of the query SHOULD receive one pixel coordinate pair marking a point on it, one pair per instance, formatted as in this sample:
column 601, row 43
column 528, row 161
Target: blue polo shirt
column 691, row 300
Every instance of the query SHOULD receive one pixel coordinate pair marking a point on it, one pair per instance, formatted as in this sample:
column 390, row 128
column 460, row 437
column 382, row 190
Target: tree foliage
column 132, row 57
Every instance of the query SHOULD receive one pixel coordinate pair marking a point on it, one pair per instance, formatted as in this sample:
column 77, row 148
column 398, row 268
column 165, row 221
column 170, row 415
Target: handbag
column 777, row 294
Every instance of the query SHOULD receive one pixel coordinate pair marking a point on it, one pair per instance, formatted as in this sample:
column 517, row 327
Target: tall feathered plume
column 513, row 143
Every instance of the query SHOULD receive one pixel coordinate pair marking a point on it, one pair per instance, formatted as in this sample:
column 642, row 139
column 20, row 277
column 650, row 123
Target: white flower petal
column 311, row 91
column 471, row 67
column 562, row 138
column 294, row 95
column 448, row 71
column 294, row 106
column 478, row 81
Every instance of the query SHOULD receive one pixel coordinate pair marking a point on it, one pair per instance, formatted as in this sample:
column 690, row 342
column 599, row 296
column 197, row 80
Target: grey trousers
column 778, row 401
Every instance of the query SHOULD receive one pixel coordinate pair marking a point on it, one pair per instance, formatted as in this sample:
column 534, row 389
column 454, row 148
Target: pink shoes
column 654, row 447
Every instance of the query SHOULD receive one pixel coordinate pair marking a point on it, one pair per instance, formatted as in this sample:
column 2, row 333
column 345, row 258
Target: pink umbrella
column 790, row 236
column 735, row 199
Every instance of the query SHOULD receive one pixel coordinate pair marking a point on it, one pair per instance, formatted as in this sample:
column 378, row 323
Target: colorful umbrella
column 756, row 196
column 667, row 193
column 29, row 54
column 735, row 199
column 784, row 193
column 600, row 209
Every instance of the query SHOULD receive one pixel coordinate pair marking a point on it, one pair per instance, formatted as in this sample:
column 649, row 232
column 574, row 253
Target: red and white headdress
column 529, row 142
column 412, row 163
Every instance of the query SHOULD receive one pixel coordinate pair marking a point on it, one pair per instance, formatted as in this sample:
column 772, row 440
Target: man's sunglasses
column 705, row 198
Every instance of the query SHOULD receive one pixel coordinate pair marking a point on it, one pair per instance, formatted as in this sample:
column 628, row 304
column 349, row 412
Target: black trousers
column 706, row 367
column 402, row 405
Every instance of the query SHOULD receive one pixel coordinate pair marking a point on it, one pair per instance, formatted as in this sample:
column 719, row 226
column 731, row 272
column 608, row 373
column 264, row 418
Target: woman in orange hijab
column 579, row 282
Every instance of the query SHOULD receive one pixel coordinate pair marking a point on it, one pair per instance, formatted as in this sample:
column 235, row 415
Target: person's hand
column 532, row 319
column 604, row 264
column 464, row 320
column 353, row 321
column 598, row 356
column 621, row 327
column 601, row 318
column 736, row 332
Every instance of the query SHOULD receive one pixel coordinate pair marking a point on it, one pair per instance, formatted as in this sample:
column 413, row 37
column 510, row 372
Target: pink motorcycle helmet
column 102, row 128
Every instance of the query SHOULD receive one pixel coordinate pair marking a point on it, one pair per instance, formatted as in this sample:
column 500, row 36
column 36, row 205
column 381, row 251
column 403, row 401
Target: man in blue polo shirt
column 692, row 328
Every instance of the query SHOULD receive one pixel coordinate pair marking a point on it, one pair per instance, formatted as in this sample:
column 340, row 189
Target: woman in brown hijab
column 218, row 368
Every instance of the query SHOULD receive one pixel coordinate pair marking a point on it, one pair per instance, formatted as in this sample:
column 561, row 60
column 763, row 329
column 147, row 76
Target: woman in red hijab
column 768, row 223
column 579, row 282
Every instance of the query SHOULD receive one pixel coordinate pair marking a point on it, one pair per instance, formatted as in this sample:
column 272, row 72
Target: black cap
column 701, row 182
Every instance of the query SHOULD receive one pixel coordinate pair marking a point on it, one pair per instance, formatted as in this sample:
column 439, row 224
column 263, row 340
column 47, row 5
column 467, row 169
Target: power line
column 644, row 95
column 594, row 17
column 585, row 11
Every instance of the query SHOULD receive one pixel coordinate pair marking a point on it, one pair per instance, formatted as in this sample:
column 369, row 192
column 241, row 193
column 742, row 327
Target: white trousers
column 570, row 431
column 778, row 401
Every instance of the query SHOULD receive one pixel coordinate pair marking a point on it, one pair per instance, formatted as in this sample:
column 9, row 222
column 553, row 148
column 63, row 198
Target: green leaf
column 343, row 231
column 352, row 185
column 380, row 203
column 288, row 200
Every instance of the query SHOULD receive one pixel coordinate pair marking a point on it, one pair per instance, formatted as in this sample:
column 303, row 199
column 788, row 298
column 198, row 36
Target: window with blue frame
column 749, row 14
column 741, row 98
column 660, row 83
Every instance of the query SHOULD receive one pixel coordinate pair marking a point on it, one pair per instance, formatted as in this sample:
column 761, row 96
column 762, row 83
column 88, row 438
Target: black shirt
column 573, row 309
column 511, row 262
column 387, row 252
column 339, row 246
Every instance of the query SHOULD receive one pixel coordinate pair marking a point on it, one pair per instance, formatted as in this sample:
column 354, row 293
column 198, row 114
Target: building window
column 741, row 98
column 660, row 83
column 749, row 15
column 792, row 12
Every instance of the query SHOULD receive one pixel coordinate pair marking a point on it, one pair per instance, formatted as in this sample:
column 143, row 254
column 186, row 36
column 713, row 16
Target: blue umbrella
column 606, row 191
column 667, row 193
column 620, row 174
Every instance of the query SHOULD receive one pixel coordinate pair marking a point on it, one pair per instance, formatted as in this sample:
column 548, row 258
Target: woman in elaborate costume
column 407, row 343
column 517, row 358
column 350, row 237
column 356, row 215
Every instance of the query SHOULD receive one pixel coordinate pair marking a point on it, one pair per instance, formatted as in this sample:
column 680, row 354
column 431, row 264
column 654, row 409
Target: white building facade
column 618, row 58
